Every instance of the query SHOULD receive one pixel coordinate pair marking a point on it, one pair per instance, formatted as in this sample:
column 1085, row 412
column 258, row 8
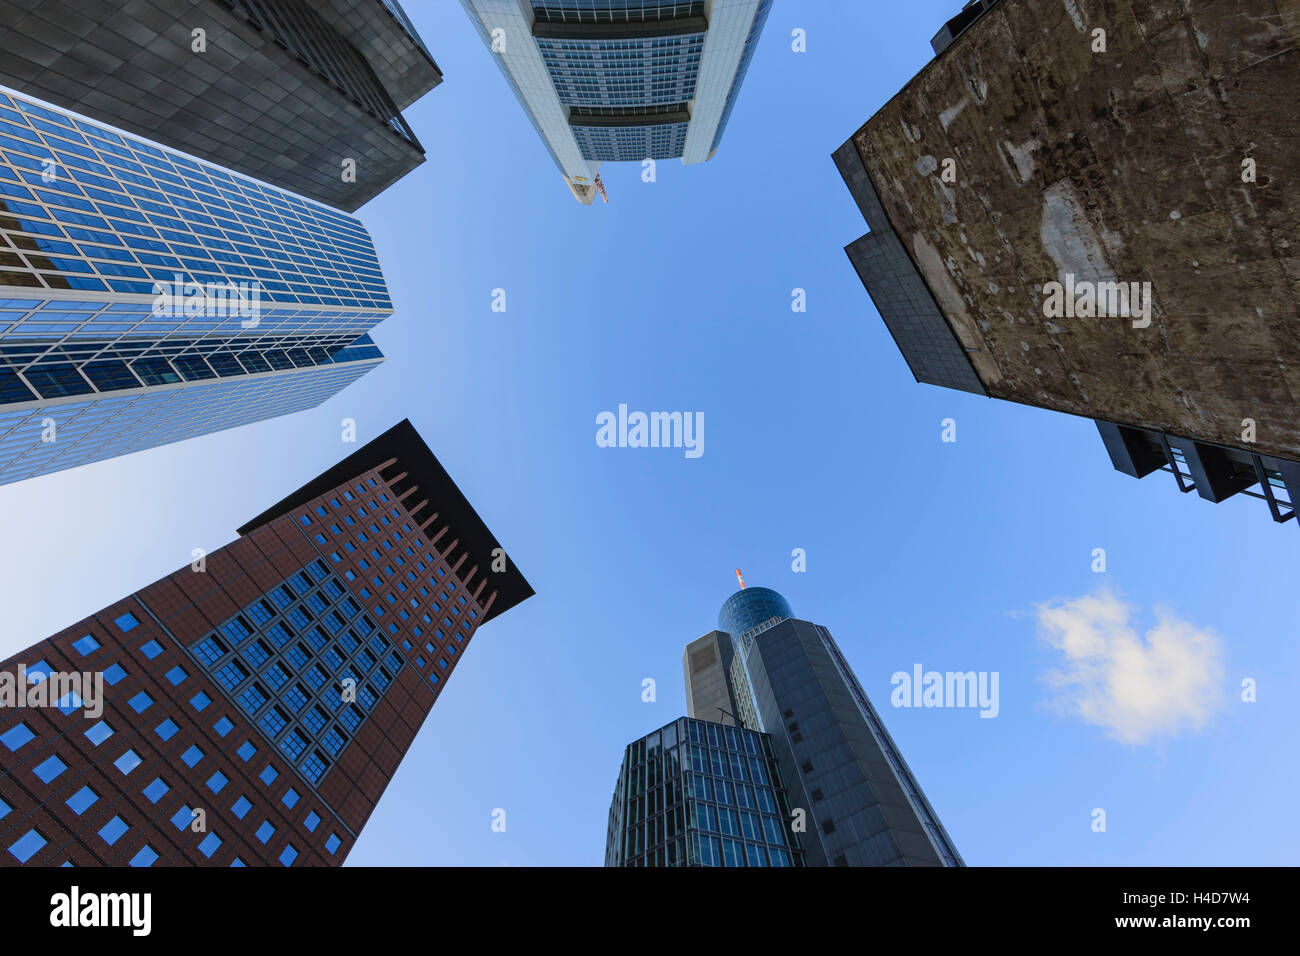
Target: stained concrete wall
column 1124, row 166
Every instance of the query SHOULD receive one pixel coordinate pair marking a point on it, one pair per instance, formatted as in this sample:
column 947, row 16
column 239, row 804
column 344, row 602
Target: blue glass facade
column 146, row 297
column 305, row 664
column 631, row 143
column 624, row 72
column 697, row 793
column 750, row 607
column 589, row 11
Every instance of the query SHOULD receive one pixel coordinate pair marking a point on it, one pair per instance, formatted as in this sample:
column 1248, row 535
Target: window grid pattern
column 299, row 707
column 625, row 72
column 696, row 793
column 157, row 214
column 613, row 11
column 631, row 143
column 407, row 578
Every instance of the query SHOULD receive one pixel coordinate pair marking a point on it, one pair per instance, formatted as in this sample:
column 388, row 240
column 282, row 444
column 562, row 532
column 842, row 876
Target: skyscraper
column 252, row 708
column 285, row 91
column 700, row 793
column 147, row 298
column 1079, row 209
column 622, row 80
column 849, row 798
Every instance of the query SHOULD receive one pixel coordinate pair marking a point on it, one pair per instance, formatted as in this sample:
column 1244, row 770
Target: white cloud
column 1133, row 686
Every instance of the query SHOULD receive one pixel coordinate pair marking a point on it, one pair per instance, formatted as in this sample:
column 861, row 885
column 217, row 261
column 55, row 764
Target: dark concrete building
column 842, row 793
column 286, row 91
column 251, row 709
column 1082, row 207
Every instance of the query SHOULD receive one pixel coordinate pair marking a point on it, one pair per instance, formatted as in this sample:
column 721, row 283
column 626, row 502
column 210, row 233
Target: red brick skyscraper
column 275, row 690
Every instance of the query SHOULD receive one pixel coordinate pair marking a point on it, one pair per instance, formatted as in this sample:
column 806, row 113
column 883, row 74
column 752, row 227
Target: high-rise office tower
column 146, row 298
column 1081, row 208
column 700, row 793
column 785, row 687
column 622, row 80
column 251, row 708
column 304, row 95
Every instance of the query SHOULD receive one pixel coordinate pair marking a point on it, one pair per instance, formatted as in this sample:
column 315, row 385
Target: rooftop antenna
column 740, row 579
column 601, row 186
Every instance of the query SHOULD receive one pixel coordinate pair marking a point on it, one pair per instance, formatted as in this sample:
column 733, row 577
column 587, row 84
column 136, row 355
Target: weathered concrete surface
column 1127, row 166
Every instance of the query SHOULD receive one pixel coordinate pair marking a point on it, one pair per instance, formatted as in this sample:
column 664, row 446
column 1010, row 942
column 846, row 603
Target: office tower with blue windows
column 847, row 796
column 255, row 707
column 622, row 80
column 700, row 793
column 285, row 91
column 147, row 298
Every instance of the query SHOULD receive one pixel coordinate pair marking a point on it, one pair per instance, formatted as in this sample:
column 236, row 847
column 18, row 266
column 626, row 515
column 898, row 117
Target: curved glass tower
column 750, row 607
column 765, row 670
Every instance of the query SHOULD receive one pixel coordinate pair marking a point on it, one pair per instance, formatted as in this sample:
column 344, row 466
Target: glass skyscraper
column 771, row 682
column 623, row 80
column 698, row 793
column 286, row 91
column 146, row 297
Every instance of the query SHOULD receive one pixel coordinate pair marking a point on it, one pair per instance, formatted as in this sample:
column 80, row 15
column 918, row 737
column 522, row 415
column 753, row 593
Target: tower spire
column 740, row 579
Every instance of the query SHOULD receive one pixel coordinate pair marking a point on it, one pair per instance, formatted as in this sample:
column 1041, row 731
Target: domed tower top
column 750, row 607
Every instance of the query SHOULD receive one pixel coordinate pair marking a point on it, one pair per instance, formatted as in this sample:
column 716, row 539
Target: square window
column 268, row 775
column 86, row 645
column 246, row 750
column 192, row 756
column 167, row 729
column 333, row 843
column 313, row 821
column 16, row 736
column 211, row 843
column 288, row 855
column 5, row 809
column 114, row 674
column 182, row 818
column 265, row 831
column 217, row 781
column 26, row 846
column 82, row 799
column 156, row 790
column 99, row 732
column 199, row 701
column 290, row 798
column 127, row 762
column 141, row 702
column 177, row 675
column 241, row 807
column 145, row 857
column 126, row 622
column 112, row 831
column 48, row 769
column 224, row 726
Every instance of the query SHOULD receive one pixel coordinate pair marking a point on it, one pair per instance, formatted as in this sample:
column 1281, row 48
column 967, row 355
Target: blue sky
column 676, row 296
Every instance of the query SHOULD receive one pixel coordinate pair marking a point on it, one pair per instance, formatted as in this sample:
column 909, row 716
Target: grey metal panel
column 829, row 757
column 932, row 350
column 245, row 104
